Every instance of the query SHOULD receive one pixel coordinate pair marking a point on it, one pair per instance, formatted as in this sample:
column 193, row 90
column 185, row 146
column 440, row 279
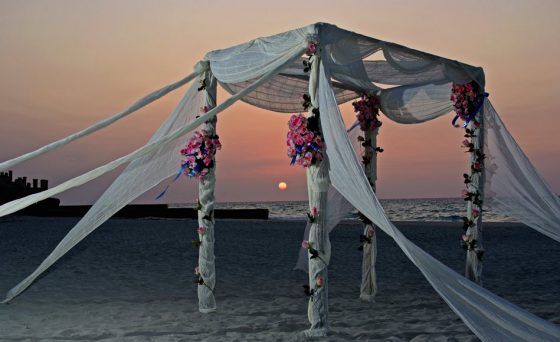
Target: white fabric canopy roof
column 414, row 87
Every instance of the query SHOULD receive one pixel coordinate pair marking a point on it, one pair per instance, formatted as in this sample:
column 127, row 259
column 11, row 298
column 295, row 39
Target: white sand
column 132, row 281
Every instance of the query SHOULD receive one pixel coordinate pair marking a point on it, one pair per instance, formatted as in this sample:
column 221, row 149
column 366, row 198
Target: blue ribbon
column 313, row 146
column 299, row 148
column 183, row 167
column 480, row 102
column 193, row 171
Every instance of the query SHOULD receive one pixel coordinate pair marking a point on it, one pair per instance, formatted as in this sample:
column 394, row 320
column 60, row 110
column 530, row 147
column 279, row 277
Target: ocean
column 428, row 209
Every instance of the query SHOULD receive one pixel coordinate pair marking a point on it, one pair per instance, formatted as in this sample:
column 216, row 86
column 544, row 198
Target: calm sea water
column 431, row 209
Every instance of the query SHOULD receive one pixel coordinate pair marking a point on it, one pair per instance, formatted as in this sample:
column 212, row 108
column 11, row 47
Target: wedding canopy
column 412, row 87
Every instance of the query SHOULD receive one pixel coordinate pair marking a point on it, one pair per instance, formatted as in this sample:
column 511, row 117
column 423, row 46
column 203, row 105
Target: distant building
column 11, row 189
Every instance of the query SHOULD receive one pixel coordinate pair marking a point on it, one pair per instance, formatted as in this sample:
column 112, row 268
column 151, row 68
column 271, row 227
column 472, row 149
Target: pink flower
column 370, row 232
column 320, row 281
column 200, row 150
column 314, row 211
column 197, row 270
column 201, row 230
column 204, row 109
column 309, row 137
column 367, row 109
column 311, row 48
column 305, row 244
column 463, row 97
column 466, row 143
column 476, row 166
column 475, row 212
column 467, row 237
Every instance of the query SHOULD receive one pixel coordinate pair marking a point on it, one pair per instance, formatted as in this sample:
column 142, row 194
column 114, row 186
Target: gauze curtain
column 141, row 175
column 513, row 186
column 104, row 123
column 159, row 144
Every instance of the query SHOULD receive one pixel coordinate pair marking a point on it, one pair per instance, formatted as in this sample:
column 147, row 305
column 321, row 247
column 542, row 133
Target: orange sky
column 67, row 64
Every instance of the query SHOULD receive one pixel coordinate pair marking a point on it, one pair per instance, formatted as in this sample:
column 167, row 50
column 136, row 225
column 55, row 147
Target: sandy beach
column 132, row 280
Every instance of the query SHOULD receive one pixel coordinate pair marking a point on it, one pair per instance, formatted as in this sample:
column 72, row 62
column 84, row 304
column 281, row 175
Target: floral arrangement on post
column 304, row 140
column 367, row 112
column 200, row 153
column 467, row 101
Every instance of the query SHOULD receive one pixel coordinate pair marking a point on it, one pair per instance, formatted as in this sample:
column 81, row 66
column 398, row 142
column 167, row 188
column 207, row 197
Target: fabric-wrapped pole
column 206, row 259
column 104, row 123
column 473, row 235
column 317, row 187
column 368, row 288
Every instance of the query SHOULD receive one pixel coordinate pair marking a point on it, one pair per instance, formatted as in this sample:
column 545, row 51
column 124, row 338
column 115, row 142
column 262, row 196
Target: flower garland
column 196, row 243
column 467, row 102
column 304, row 138
column 367, row 112
column 320, row 280
column 200, row 153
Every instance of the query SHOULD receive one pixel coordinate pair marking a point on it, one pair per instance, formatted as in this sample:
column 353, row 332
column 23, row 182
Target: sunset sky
column 65, row 65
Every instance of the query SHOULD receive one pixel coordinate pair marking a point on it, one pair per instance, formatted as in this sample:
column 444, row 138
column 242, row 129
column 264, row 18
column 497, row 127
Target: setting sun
column 282, row 186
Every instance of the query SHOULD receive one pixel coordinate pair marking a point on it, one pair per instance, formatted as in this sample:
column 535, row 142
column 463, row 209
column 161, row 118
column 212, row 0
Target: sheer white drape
column 102, row 209
column 141, row 175
column 104, row 123
column 338, row 206
column 513, row 186
column 490, row 317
